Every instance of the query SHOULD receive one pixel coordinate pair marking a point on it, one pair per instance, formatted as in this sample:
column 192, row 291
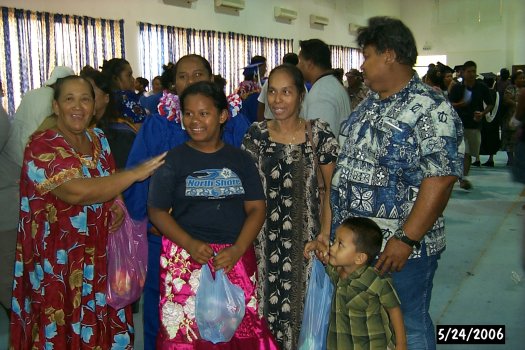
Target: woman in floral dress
column 285, row 159
column 67, row 210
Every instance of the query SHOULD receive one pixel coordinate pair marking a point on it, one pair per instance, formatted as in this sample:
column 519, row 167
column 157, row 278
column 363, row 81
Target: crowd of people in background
column 486, row 104
column 298, row 152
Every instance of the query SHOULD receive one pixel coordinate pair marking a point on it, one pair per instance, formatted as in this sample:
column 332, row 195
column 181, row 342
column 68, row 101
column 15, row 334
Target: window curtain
column 33, row 43
column 346, row 57
column 227, row 53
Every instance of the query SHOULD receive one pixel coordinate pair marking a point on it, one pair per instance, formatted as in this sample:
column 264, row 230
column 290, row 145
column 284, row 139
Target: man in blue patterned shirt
column 402, row 152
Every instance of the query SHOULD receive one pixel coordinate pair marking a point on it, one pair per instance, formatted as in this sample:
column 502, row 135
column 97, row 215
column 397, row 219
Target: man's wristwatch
column 402, row 236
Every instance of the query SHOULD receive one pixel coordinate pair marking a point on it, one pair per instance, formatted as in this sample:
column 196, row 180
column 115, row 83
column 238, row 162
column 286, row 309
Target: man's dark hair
column 435, row 76
column 469, row 64
column 258, row 59
column 317, row 51
column 143, row 81
column 504, row 74
column 386, row 33
column 368, row 237
column 291, row 58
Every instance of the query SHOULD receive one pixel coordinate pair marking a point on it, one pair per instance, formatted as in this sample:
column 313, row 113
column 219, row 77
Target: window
column 346, row 57
column 33, row 43
column 227, row 53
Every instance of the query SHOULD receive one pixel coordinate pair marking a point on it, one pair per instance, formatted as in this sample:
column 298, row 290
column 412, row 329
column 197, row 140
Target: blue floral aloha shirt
column 388, row 147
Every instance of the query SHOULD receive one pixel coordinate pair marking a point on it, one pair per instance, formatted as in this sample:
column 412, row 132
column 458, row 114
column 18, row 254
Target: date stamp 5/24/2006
column 470, row 334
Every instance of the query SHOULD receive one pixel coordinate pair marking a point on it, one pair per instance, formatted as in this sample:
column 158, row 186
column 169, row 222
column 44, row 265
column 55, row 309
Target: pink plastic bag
column 127, row 261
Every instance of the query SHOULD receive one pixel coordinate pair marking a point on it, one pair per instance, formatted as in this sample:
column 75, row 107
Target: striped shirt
column 358, row 318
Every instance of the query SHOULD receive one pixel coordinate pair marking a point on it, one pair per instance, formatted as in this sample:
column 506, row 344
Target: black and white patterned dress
column 292, row 218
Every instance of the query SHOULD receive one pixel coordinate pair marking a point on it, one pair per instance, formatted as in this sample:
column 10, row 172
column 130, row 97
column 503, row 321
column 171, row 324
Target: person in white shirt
column 35, row 106
column 327, row 99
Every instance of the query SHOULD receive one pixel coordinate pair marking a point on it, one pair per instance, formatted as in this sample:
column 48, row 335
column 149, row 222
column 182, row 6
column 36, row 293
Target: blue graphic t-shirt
column 206, row 191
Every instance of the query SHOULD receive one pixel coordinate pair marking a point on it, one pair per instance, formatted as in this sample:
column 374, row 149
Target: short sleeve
column 162, row 184
column 388, row 296
column 253, row 189
column 322, row 107
column 326, row 144
column 440, row 137
column 49, row 162
column 251, row 141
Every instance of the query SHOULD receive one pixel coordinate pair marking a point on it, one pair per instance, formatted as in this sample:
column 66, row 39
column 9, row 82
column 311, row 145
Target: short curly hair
column 386, row 33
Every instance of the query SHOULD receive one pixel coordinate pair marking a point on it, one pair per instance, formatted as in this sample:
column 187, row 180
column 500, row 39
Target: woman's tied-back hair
column 102, row 82
column 386, row 33
column 113, row 68
column 368, row 237
column 167, row 78
column 293, row 72
column 208, row 89
column 204, row 61
column 59, row 86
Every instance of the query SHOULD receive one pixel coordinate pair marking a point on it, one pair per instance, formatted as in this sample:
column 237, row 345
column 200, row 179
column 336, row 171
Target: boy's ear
column 361, row 258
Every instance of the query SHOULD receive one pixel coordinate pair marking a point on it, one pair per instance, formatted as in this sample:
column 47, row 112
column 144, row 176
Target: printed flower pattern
column 59, row 291
column 180, row 278
column 290, row 184
column 391, row 145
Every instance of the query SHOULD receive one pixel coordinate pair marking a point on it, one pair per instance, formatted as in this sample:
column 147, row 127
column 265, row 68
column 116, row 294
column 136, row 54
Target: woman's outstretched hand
column 146, row 169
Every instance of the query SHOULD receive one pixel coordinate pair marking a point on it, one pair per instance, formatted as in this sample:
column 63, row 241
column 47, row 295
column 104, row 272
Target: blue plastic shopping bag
column 316, row 316
column 219, row 306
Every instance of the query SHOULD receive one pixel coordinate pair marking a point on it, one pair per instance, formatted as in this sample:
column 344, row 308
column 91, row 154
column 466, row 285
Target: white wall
column 447, row 25
column 489, row 32
column 256, row 19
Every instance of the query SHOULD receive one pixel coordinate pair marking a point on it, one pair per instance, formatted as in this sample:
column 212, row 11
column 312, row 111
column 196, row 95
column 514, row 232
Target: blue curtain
column 33, row 43
column 227, row 53
column 346, row 57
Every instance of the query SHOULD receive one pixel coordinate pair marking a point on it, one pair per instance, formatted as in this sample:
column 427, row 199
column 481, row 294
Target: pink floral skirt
column 179, row 280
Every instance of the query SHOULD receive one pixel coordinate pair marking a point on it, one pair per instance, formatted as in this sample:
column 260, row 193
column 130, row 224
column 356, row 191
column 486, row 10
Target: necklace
column 299, row 128
column 87, row 159
column 289, row 137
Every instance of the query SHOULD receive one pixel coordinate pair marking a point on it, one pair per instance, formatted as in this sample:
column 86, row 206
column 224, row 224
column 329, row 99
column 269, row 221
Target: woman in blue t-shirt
column 209, row 204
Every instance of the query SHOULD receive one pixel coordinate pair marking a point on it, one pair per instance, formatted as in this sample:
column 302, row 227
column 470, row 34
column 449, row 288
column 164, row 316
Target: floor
column 480, row 279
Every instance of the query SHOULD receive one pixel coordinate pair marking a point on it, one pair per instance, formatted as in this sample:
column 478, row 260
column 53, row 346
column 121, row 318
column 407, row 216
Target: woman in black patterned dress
column 285, row 159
